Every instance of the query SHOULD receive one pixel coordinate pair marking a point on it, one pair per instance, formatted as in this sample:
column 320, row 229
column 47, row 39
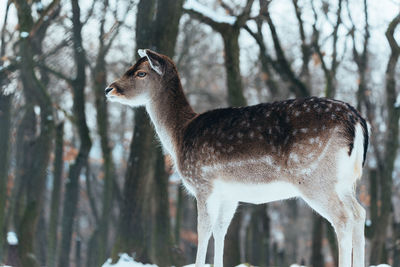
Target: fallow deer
column 313, row 148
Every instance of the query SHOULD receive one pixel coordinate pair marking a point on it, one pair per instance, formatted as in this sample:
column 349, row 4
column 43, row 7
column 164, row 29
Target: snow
column 126, row 261
column 195, row 6
column 397, row 104
column 24, row 34
column 12, row 238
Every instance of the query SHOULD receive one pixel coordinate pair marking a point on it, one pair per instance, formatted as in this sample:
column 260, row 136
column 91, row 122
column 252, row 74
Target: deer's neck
column 170, row 111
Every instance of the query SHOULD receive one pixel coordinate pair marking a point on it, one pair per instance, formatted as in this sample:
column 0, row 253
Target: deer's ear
column 154, row 59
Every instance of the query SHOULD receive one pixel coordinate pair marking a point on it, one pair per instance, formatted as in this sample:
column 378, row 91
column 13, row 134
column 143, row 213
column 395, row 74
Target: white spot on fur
column 251, row 134
column 294, row 157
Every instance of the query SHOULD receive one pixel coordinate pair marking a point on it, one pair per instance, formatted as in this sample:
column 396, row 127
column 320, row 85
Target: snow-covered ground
column 127, row 261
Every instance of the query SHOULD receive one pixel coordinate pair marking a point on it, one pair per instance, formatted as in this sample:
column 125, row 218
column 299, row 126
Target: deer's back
column 284, row 134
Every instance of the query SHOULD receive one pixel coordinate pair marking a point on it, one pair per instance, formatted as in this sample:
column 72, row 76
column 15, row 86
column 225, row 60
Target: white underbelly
column 255, row 193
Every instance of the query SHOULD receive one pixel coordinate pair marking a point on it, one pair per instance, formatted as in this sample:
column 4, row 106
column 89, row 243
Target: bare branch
column 305, row 48
column 266, row 60
column 335, row 37
column 245, row 15
column 3, row 30
column 201, row 17
column 46, row 13
column 89, row 14
column 56, row 73
column 390, row 34
column 298, row 86
column 227, row 8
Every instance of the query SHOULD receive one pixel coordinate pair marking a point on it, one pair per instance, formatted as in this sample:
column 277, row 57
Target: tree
column 145, row 189
column 78, row 84
column 387, row 159
column 5, row 128
column 97, row 252
column 55, row 197
column 35, row 160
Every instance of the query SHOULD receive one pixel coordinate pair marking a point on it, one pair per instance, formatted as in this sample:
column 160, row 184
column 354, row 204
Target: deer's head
column 141, row 81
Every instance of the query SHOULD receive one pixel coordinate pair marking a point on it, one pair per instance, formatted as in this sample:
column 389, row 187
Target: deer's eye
column 141, row 74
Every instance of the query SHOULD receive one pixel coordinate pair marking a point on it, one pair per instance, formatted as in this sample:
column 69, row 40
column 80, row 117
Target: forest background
column 82, row 180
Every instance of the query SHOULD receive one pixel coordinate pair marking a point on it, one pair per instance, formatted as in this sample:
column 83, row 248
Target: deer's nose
column 108, row 89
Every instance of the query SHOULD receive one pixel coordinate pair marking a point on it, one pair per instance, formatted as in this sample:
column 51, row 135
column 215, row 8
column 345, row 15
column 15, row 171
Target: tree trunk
column 35, row 93
column 99, row 240
column 145, row 189
column 391, row 145
column 139, row 172
column 396, row 241
column 72, row 187
column 259, row 236
column 232, row 244
column 55, row 197
column 5, row 127
column 317, row 258
column 233, row 76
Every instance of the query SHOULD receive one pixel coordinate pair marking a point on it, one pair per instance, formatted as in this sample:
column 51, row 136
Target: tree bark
column 35, row 94
column 5, row 128
column 145, row 189
column 391, row 145
column 98, row 250
column 317, row 258
column 72, row 187
column 55, row 197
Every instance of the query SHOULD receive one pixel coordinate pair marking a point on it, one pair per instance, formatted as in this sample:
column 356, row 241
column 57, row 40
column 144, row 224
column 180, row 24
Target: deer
column 311, row 148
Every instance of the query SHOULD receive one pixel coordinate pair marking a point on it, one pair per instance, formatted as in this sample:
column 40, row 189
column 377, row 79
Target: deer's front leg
column 203, row 231
column 226, row 211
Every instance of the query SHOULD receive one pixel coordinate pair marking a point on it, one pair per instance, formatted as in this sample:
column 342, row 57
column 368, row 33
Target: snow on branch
column 195, row 6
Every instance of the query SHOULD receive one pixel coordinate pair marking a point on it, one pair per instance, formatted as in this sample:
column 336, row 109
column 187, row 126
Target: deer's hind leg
column 329, row 205
column 358, row 233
